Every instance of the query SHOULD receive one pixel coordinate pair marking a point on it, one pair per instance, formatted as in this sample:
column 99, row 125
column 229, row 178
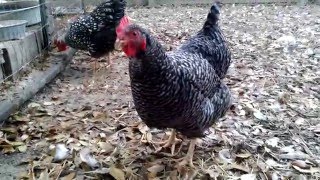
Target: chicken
column 181, row 89
column 95, row 32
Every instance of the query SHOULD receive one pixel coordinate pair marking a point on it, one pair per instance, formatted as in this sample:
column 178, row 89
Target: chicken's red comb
column 124, row 22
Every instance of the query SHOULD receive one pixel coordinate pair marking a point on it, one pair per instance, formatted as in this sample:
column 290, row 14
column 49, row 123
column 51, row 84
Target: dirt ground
column 271, row 132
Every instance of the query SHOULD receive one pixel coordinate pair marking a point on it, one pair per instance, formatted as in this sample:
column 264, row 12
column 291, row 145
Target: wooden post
column 44, row 23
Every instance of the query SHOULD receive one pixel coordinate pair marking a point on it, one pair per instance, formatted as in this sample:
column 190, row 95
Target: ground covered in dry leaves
column 84, row 125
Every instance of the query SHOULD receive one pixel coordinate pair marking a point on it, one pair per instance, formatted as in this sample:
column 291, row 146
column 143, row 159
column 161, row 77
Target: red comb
column 122, row 24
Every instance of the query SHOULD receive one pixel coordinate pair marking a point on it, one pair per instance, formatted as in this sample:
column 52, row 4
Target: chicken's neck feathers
column 154, row 51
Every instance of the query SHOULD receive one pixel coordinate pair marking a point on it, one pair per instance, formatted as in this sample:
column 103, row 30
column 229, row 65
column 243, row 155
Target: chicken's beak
column 118, row 44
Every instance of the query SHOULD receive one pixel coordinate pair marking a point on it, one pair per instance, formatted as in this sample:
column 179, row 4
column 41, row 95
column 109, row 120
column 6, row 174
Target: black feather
column 95, row 32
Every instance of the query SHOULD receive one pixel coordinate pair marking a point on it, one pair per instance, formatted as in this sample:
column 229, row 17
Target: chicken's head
column 130, row 38
column 61, row 45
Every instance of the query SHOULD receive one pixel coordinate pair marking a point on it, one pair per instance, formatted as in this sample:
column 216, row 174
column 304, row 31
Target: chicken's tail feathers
column 213, row 15
column 110, row 10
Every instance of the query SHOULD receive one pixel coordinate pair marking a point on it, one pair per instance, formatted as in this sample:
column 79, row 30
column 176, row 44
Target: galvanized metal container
column 12, row 29
column 21, row 10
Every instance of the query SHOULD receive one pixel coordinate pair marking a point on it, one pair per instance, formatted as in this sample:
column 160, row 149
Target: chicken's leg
column 188, row 158
column 172, row 141
column 110, row 59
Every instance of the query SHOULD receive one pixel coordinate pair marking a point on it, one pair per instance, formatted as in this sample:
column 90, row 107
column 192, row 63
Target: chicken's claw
column 172, row 141
column 188, row 159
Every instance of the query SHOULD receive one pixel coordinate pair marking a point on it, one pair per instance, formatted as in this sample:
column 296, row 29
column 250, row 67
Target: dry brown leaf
column 105, row 147
column 98, row 115
column 86, row 157
column 34, row 105
column 61, row 152
column 84, row 143
column 48, row 103
column 23, row 175
column 301, row 164
column 243, row 155
column 238, row 167
column 156, row 168
column 15, row 144
column 69, row 176
column 18, row 118
column 307, row 171
column 258, row 114
column 11, row 130
column 225, row 156
column 118, row 174
column 22, row 148
column 272, row 142
column 24, row 137
column 44, row 175
column 7, row 150
column 248, row 177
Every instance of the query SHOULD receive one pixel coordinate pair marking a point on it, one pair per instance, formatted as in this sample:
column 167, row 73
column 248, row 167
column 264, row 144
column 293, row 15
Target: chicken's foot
column 188, row 158
column 109, row 60
column 172, row 141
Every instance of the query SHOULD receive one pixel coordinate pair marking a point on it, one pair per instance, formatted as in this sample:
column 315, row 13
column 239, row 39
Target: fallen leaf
column 15, row 144
column 300, row 164
column 44, row 175
column 225, row 156
column 61, row 152
column 22, row 148
column 257, row 114
column 69, row 176
column 307, row 171
column 118, row 174
column 7, row 150
column 86, row 157
column 105, row 147
column 156, row 168
column 11, row 130
column 273, row 142
column 98, row 115
column 24, row 137
column 248, row 177
column 238, row 167
column 33, row 105
column 244, row 155
column 46, row 103
column 83, row 143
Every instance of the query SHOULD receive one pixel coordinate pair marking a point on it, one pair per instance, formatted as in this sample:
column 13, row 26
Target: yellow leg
column 172, row 141
column 188, row 158
column 109, row 59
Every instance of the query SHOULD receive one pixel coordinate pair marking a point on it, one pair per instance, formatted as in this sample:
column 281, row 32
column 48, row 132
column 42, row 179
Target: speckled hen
column 181, row 89
column 96, row 32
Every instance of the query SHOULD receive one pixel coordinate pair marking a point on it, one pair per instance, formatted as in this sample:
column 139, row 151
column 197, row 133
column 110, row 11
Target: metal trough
column 21, row 10
column 12, row 29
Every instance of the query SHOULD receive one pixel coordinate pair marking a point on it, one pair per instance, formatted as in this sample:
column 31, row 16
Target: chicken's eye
column 134, row 33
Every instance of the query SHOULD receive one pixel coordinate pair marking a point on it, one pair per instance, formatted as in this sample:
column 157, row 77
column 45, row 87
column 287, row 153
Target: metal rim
column 21, row 9
column 17, row 23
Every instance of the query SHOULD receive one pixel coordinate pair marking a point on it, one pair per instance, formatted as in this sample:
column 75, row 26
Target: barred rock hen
column 182, row 89
column 96, row 32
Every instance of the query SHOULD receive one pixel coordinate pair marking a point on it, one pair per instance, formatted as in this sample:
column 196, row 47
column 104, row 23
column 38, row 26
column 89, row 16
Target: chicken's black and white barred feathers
column 96, row 32
column 178, row 89
column 211, row 44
